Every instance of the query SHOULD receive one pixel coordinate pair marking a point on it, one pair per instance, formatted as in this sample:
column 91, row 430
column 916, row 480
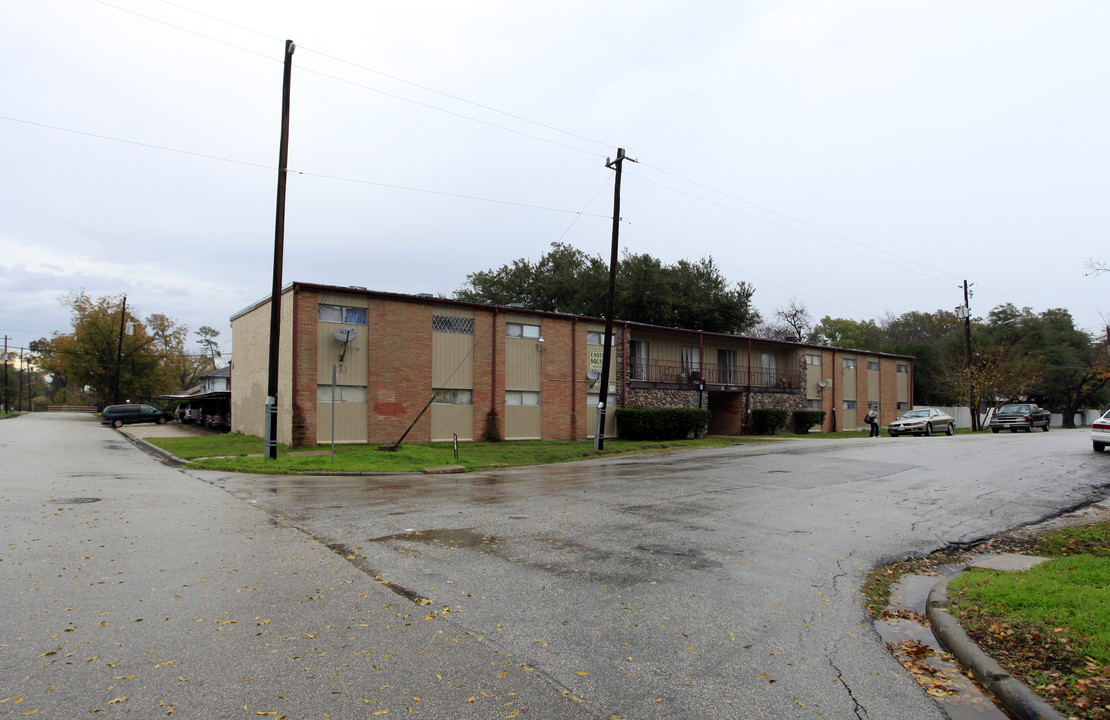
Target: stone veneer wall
column 659, row 398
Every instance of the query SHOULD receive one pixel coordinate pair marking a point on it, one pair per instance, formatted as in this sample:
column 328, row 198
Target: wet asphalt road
column 715, row 584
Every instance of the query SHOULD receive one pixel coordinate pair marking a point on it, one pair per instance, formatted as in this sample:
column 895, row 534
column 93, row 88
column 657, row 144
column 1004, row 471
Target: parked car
column 118, row 415
column 219, row 420
column 925, row 421
column 1100, row 432
column 1020, row 416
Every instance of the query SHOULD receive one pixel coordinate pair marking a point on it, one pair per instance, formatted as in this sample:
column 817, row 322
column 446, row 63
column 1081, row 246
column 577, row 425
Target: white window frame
column 453, row 396
column 530, row 398
column 522, row 330
column 345, row 393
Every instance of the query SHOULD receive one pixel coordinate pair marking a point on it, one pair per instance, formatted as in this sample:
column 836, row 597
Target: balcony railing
column 655, row 371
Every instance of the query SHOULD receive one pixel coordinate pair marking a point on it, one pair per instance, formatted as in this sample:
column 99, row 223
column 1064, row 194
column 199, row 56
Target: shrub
column 661, row 423
column 768, row 421
column 805, row 419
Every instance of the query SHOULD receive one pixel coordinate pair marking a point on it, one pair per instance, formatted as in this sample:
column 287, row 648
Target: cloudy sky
column 862, row 156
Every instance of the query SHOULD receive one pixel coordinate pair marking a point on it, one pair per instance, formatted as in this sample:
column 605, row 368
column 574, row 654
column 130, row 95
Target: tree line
column 1015, row 353
column 111, row 354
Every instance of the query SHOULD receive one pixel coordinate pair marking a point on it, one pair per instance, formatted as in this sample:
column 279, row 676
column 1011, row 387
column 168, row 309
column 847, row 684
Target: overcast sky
column 863, row 157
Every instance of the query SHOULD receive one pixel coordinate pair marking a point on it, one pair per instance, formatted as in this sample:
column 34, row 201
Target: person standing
column 873, row 421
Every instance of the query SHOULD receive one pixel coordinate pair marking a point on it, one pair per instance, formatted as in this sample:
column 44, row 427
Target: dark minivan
column 117, row 415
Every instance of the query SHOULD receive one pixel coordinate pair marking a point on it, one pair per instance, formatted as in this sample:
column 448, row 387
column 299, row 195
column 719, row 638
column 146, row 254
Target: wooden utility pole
column 270, row 424
column 119, row 350
column 607, row 352
column 971, row 400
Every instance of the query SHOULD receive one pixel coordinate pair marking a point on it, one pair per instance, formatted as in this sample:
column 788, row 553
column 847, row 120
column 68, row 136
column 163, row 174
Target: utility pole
column 119, row 350
column 270, row 425
column 6, row 399
column 971, row 400
column 607, row 352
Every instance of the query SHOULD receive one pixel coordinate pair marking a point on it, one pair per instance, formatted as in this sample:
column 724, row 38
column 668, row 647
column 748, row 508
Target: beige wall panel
column 350, row 422
column 522, row 363
column 523, row 422
column 452, row 360
column 453, row 311
column 848, row 383
column 450, row 419
column 872, row 385
column 903, row 387
column 339, row 298
column 353, row 370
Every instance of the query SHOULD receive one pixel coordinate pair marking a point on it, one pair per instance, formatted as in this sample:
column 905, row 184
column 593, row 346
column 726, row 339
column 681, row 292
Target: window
column 726, row 366
column 902, row 368
column 691, row 359
column 769, row 368
column 522, row 397
column 341, row 314
column 597, row 337
column 848, row 363
column 453, row 397
column 849, row 404
column 872, row 365
column 343, row 393
column 521, row 330
column 903, row 406
column 453, row 324
column 638, row 359
column 813, row 359
column 813, row 404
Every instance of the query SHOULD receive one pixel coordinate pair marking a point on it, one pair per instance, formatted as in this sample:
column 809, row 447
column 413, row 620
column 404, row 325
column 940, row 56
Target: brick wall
column 305, row 353
column 400, row 370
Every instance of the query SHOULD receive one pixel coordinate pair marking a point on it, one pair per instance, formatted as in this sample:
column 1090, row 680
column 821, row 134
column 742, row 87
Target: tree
column 855, row 334
column 108, row 345
column 209, row 346
column 692, row 295
column 792, row 324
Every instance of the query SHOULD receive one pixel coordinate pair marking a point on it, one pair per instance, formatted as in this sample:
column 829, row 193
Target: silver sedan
column 925, row 421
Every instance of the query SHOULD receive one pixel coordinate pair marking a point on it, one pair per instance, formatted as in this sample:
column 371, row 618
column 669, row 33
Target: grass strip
column 232, row 452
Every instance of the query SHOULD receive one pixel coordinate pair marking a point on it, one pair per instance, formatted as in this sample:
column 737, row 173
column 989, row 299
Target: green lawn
column 229, row 452
column 1049, row 624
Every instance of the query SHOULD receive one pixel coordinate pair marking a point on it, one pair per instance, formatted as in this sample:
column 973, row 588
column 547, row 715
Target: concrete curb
column 1011, row 692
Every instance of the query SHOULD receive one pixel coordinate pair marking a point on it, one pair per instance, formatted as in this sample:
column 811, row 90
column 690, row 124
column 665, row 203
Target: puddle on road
column 451, row 538
column 906, row 633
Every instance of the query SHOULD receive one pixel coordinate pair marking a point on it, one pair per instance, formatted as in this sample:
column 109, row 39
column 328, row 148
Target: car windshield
column 915, row 414
column 1013, row 409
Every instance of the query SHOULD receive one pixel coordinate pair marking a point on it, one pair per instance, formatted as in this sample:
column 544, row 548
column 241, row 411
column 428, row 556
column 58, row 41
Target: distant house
column 211, row 397
column 485, row 371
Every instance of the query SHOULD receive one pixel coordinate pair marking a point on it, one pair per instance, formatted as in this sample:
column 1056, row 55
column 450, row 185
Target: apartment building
column 384, row 364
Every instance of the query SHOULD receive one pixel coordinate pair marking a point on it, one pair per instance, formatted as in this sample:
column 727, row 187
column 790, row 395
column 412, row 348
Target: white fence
column 1083, row 418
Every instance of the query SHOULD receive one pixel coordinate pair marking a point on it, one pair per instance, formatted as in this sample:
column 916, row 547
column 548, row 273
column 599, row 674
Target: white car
column 925, row 421
column 1100, row 432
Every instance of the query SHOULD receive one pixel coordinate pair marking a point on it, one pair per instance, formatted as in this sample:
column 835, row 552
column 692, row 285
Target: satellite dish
column 822, row 383
column 593, row 375
column 344, row 335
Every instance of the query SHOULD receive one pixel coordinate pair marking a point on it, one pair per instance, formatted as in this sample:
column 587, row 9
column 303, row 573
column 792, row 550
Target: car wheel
column 1013, row 430
column 994, row 430
column 117, row 423
column 161, row 421
column 1045, row 428
column 951, row 430
column 928, row 429
column 1099, row 447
